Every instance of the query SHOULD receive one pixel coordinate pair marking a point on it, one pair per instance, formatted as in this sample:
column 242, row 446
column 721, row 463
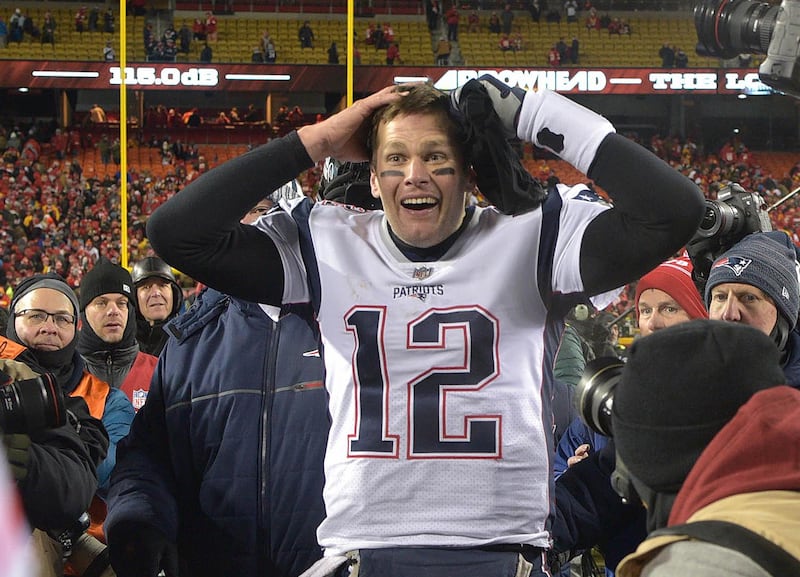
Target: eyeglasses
column 36, row 317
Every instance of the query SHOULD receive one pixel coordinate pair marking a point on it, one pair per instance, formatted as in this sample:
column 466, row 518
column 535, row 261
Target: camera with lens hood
column 727, row 220
column 594, row 394
column 30, row 405
column 727, row 28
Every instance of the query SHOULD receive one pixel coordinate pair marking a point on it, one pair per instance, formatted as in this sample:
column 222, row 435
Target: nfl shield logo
column 422, row 272
column 139, row 397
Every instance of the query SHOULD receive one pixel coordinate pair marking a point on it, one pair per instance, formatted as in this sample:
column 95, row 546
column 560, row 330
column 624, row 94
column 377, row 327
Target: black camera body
column 726, row 28
column 30, row 405
column 727, row 220
column 87, row 555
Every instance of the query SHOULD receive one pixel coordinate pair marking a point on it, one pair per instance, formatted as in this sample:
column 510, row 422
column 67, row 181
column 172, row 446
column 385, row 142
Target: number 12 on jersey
column 427, row 400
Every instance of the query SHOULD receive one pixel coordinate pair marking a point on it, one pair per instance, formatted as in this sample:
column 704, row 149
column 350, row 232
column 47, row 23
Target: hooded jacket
column 122, row 365
column 72, row 451
column 226, row 456
column 747, row 475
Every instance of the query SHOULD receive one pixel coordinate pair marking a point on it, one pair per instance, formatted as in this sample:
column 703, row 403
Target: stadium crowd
column 58, row 217
column 99, row 331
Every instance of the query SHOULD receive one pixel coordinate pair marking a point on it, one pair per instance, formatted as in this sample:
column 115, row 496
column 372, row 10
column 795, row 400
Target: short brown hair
column 422, row 98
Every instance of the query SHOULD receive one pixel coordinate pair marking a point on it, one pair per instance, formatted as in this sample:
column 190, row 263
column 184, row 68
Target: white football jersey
column 441, row 420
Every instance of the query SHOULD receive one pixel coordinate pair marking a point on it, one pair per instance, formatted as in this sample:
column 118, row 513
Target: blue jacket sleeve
column 576, row 435
column 143, row 484
column 117, row 418
column 588, row 511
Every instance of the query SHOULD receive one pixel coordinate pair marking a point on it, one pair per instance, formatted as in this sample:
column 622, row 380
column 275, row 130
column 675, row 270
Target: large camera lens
column 31, row 405
column 595, row 392
column 719, row 219
column 726, row 28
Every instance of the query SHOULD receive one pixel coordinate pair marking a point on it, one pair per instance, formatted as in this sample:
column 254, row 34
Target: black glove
column 488, row 117
column 505, row 100
column 138, row 549
column 18, row 452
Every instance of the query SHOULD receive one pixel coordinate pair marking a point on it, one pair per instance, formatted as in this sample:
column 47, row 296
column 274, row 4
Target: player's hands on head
column 343, row 135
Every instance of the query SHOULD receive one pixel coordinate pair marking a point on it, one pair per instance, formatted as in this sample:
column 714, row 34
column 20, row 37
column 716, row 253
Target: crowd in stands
column 562, row 53
column 673, row 56
column 20, row 27
column 265, row 51
column 89, row 20
column 379, row 35
column 171, row 42
column 59, row 218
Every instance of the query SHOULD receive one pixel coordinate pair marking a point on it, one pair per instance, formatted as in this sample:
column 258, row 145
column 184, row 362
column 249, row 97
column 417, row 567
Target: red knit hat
column 674, row 277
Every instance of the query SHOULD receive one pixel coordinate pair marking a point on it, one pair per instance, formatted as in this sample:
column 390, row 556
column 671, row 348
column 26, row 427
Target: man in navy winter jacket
column 223, row 463
column 222, row 472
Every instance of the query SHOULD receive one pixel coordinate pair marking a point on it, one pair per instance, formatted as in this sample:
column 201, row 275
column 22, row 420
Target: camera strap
column 771, row 557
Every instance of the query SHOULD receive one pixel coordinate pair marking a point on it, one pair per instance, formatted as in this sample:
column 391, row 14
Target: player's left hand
column 506, row 101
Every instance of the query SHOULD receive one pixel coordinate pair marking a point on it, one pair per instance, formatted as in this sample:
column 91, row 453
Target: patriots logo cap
column 737, row 264
column 765, row 260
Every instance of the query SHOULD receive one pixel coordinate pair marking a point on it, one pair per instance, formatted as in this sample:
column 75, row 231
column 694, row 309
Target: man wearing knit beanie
column 756, row 283
column 41, row 324
column 107, row 340
column 667, row 296
column 44, row 321
column 710, row 438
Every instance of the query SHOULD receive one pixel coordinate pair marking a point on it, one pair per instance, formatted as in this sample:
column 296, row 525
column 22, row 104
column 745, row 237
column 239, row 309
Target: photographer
column 755, row 283
column 42, row 458
column 664, row 297
column 44, row 321
column 719, row 472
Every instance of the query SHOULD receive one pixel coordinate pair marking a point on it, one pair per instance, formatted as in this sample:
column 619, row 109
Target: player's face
column 420, row 178
column 743, row 303
column 658, row 310
column 107, row 314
